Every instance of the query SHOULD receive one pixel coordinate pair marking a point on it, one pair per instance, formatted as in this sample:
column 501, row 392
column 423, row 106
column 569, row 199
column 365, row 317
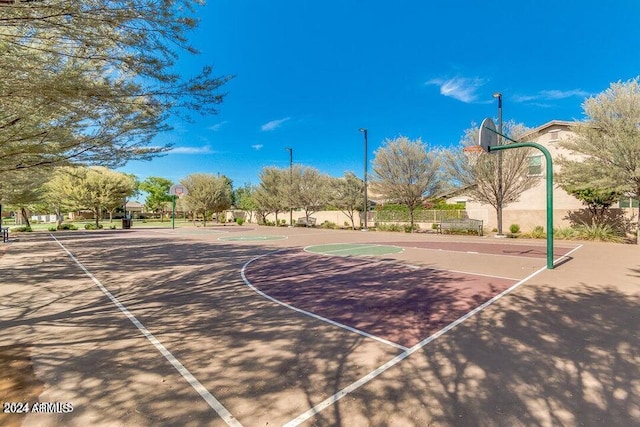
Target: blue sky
column 309, row 74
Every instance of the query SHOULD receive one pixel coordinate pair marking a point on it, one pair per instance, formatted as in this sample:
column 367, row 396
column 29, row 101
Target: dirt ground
column 562, row 348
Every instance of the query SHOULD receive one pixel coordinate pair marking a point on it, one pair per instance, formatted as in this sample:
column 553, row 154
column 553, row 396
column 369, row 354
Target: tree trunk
column 204, row 218
column 638, row 222
column 97, row 214
column 411, row 218
column 59, row 216
column 23, row 212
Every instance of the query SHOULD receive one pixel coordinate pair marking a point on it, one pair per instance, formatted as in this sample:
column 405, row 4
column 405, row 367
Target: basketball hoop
column 178, row 190
column 487, row 136
column 473, row 153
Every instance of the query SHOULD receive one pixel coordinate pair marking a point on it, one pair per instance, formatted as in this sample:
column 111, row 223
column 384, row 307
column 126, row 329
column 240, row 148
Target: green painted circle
column 250, row 238
column 347, row 249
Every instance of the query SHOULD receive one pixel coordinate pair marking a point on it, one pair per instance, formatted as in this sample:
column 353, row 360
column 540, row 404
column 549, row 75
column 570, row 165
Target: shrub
column 52, row 228
column 538, row 232
column 67, row 227
column 22, row 229
column 92, row 226
column 566, row 233
column 239, row 221
column 283, row 222
column 494, row 230
column 408, row 228
column 602, row 232
column 514, row 228
column 329, row 225
column 112, row 227
column 388, row 227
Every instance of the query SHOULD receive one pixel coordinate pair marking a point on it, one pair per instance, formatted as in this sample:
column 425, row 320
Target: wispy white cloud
column 273, row 124
column 217, row 126
column 192, row 150
column 550, row 95
column 257, row 146
column 460, row 88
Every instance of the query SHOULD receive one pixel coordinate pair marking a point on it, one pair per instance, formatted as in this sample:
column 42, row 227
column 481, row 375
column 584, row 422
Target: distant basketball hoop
column 178, row 190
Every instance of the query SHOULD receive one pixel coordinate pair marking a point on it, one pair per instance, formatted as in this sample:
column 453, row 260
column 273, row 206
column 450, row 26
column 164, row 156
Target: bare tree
column 405, row 172
column 479, row 175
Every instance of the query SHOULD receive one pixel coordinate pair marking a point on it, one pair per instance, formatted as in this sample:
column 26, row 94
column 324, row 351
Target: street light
column 290, row 184
column 498, row 96
column 366, row 201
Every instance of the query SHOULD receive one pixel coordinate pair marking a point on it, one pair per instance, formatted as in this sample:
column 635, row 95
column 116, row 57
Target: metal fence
column 422, row 215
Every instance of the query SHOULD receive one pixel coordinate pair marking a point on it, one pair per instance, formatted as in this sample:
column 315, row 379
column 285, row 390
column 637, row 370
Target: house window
column 554, row 135
column 535, row 165
column 628, row 202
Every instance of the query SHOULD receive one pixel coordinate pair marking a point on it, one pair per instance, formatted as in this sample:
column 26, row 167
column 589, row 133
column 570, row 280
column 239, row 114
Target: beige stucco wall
column 530, row 209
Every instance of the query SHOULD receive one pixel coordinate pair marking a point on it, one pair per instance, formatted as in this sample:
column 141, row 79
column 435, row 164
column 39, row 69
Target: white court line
column 391, row 363
column 484, row 253
column 197, row 386
column 357, row 247
column 308, row 313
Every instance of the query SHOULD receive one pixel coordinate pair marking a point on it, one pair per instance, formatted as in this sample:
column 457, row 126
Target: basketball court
column 249, row 325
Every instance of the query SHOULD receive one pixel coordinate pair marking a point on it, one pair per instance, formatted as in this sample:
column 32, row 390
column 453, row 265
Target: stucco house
column 530, row 210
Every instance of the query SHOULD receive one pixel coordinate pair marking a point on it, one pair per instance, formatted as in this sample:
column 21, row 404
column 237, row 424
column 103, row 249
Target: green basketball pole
column 549, row 168
column 173, row 213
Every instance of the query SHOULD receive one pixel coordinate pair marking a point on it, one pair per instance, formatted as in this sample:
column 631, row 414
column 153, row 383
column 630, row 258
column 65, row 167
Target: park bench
column 466, row 224
column 5, row 234
column 303, row 222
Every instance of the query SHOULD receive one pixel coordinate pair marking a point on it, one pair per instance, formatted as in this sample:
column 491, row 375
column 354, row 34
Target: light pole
column 290, row 185
column 498, row 96
column 366, row 201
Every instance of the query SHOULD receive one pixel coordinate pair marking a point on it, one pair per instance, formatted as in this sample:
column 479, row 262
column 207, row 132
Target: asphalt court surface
column 262, row 362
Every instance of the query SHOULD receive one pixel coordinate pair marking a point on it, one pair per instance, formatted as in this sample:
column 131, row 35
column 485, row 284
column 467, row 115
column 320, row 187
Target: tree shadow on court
column 188, row 294
column 542, row 358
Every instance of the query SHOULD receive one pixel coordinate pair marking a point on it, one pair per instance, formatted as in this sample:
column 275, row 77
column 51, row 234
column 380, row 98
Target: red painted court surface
column 399, row 303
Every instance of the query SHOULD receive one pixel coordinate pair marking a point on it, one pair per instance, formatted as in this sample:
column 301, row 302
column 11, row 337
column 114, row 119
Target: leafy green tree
column 609, row 142
column 97, row 188
column 310, row 190
column 22, row 191
column 61, row 192
column 104, row 189
column 273, row 193
column 93, row 81
column 158, row 196
column 207, row 193
column 245, row 200
column 347, row 194
column 479, row 174
column 405, row 172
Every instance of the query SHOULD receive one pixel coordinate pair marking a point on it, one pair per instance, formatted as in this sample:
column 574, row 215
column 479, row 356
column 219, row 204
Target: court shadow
column 542, row 358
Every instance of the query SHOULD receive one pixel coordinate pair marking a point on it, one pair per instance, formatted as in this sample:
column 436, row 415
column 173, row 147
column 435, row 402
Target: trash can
column 126, row 223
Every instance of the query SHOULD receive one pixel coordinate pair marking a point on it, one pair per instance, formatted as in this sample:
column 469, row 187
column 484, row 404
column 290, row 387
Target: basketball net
column 473, row 153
